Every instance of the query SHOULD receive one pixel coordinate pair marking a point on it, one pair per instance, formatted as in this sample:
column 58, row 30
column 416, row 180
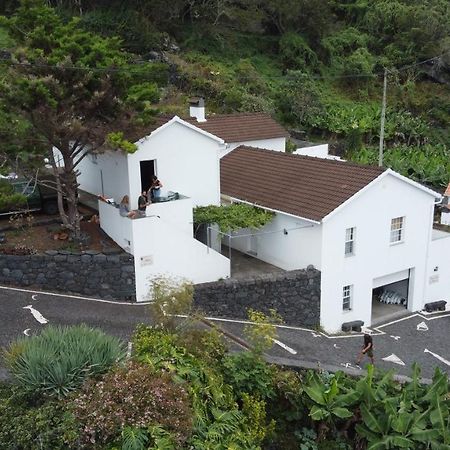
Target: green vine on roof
column 232, row 217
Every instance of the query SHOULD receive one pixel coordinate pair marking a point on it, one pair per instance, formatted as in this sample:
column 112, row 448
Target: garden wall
column 91, row 273
column 295, row 295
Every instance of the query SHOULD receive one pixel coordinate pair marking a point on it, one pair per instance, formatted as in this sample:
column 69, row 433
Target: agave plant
column 59, row 360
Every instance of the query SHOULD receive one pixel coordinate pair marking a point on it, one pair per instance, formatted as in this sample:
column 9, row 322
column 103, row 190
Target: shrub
column 60, row 359
column 170, row 297
column 132, row 396
column 34, row 427
column 248, row 373
column 296, row 53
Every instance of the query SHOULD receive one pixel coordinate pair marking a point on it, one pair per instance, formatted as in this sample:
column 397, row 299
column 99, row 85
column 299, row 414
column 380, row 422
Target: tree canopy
column 71, row 86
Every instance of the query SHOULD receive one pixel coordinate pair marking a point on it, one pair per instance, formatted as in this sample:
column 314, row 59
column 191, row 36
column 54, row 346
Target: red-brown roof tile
column 242, row 127
column 300, row 185
column 447, row 191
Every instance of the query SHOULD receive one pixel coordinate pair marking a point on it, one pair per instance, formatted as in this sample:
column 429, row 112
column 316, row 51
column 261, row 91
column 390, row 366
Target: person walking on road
column 367, row 349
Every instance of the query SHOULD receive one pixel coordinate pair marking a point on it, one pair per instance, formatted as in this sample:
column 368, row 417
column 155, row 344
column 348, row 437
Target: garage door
column 391, row 278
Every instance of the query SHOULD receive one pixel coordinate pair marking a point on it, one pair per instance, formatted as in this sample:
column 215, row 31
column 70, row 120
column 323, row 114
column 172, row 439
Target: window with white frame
column 347, row 294
column 397, row 229
column 350, row 241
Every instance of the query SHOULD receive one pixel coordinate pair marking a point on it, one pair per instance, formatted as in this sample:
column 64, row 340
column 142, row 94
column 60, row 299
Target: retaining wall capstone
column 91, row 273
column 295, row 295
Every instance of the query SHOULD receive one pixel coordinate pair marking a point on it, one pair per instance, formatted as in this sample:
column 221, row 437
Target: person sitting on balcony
column 142, row 204
column 124, row 208
column 155, row 188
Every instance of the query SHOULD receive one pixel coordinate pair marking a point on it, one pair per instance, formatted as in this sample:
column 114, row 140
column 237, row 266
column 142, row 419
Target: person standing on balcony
column 155, row 188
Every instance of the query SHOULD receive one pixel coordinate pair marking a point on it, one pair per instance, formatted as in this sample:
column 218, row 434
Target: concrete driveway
column 421, row 338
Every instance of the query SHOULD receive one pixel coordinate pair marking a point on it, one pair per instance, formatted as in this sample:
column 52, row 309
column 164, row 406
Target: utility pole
column 383, row 116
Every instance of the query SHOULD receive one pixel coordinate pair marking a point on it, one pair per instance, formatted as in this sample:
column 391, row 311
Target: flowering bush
column 132, row 396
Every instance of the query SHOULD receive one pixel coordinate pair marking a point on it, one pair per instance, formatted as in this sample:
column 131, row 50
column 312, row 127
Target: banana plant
column 413, row 416
column 327, row 401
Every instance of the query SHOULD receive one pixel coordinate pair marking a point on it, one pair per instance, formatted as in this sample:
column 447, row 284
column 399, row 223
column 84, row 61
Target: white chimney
column 197, row 109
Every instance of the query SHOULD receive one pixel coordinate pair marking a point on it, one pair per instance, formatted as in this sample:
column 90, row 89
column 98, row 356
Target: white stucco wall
column 118, row 228
column 438, row 271
column 105, row 174
column 277, row 144
column 319, row 151
column 177, row 212
column 165, row 251
column 186, row 162
column 445, row 217
column 375, row 257
column 297, row 249
column 163, row 246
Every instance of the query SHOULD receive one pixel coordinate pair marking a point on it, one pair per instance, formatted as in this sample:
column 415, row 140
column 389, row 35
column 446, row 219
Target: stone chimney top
column 197, row 108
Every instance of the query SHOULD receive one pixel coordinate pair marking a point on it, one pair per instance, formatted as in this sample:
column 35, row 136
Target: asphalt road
column 294, row 347
column 114, row 318
column 400, row 341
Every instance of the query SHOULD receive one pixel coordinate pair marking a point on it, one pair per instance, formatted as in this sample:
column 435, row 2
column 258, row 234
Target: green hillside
column 316, row 66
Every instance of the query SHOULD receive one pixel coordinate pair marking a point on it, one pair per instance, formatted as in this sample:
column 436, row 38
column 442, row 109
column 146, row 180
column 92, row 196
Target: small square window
column 397, row 229
column 349, row 241
column 347, row 294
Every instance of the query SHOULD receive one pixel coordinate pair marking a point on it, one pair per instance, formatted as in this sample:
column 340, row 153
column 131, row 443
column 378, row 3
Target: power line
column 138, row 69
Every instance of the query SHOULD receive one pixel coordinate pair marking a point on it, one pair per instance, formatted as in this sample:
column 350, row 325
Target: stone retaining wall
column 295, row 295
column 91, row 273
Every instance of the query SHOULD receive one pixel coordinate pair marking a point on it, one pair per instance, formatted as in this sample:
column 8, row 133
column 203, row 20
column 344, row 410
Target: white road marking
column 316, row 334
column 91, row 299
column 394, row 359
column 422, row 326
column 440, row 358
column 349, row 366
column 395, row 337
column 336, row 346
column 36, row 314
column 285, row 347
column 27, row 332
column 33, row 297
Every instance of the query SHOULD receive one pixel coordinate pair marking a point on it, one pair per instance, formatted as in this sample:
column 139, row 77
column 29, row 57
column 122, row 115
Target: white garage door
column 391, row 278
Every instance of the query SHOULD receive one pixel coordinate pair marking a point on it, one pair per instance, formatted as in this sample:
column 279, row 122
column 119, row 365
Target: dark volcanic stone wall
column 295, row 295
column 92, row 274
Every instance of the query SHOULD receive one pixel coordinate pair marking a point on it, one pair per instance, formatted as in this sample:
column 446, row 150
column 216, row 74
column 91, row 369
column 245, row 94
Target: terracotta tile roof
column 229, row 127
column 447, row 191
column 242, row 127
column 299, row 185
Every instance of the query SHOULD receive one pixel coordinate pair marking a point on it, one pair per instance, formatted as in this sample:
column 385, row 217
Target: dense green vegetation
column 182, row 389
column 317, row 66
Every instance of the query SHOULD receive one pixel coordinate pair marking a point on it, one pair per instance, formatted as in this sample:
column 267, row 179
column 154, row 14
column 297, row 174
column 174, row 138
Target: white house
column 185, row 156
column 362, row 227
column 351, row 222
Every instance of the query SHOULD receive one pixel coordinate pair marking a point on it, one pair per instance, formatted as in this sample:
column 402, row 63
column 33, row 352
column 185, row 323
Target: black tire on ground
column 50, row 208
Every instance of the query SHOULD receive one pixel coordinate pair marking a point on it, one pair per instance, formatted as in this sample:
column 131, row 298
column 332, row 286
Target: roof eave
column 176, row 119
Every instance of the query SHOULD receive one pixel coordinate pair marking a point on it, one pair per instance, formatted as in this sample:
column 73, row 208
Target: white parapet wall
column 162, row 250
column 162, row 244
column 437, row 283
column 118, row 228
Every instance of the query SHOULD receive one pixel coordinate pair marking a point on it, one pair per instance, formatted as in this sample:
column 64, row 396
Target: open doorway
column 391, row 299
column 147, row 171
